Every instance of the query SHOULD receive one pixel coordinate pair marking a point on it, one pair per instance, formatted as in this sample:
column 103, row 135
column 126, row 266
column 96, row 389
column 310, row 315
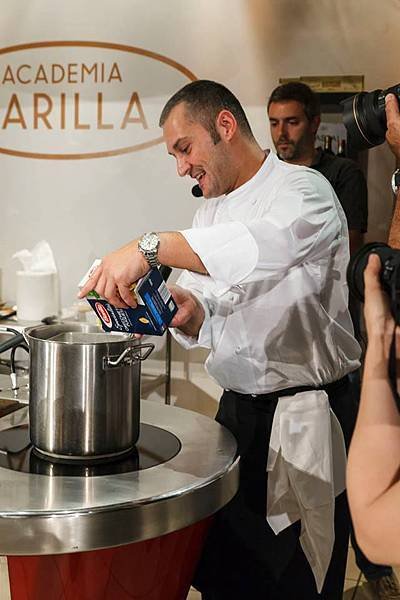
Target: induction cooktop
column 154, row 447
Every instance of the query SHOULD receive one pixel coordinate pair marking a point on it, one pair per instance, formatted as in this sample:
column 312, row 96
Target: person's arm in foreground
column 373, row 477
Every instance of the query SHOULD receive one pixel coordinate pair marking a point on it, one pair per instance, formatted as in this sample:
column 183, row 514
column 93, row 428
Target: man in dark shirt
column 348, row 181
column 295, row 115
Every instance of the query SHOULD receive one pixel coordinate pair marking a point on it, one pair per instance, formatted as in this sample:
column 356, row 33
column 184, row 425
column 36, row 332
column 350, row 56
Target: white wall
column 85, row 208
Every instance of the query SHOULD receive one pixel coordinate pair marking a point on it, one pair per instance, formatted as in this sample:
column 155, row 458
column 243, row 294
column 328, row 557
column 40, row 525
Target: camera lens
column 364, row 117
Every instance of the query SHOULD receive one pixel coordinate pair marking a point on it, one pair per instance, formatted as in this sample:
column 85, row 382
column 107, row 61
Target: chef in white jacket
column 264, row 289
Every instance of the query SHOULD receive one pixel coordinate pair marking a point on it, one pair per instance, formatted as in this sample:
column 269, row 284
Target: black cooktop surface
column 154, row 447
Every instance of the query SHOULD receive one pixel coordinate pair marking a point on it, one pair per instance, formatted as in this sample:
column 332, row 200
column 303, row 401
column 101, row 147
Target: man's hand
column 113, row 279
column 190, row 315
column 393, row 125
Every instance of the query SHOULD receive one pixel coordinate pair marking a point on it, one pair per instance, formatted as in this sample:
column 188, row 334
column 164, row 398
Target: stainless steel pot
column 84, row 391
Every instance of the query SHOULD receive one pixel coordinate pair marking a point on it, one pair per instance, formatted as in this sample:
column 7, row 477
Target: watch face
column 149, row 242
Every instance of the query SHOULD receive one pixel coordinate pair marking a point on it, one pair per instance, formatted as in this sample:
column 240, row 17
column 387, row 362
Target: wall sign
column 82, row 99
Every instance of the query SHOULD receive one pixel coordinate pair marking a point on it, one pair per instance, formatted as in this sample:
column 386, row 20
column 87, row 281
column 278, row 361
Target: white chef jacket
column 276, row 250
column 276, row 316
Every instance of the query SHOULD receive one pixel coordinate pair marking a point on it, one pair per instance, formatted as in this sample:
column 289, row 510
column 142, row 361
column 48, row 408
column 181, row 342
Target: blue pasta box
column 155, row 305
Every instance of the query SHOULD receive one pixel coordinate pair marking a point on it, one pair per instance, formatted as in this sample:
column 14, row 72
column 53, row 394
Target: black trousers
column 243, row 558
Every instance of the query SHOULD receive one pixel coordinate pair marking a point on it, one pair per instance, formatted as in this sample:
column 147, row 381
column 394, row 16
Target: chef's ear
column 226, row 125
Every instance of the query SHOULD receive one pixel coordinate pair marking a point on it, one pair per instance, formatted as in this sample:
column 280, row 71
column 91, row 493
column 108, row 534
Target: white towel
column 306, row 465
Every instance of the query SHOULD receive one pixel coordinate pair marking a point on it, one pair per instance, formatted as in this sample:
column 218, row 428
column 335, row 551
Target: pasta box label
column 153, row 313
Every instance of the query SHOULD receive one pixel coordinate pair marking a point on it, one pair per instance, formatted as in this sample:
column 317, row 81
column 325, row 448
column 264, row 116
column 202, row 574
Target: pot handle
column 128, row 357
column 17, row 339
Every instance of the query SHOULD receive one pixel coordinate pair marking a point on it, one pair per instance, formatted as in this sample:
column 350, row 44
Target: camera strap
column 392, row 371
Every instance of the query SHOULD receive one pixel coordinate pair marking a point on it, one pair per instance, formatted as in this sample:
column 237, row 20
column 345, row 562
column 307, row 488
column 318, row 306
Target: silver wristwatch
column 148, row 246
column 396, row 181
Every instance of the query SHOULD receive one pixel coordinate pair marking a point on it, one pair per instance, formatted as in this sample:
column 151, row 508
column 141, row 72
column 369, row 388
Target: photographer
column 374, row 458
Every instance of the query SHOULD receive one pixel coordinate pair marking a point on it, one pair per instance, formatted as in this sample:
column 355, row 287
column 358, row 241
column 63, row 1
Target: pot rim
column 32, row 333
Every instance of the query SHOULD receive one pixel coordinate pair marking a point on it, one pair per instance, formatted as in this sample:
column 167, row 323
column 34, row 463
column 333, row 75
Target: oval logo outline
column 93, row 44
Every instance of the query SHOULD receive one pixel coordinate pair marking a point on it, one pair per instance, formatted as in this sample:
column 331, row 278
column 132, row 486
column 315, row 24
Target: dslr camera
column 390, row 281
column 389, row 275
column 365, row 119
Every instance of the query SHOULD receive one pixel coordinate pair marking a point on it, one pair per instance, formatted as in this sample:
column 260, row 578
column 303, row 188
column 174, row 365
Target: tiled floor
column 356, row 588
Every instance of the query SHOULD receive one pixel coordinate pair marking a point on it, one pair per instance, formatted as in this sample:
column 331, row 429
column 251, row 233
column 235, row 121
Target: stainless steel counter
column 42, row 514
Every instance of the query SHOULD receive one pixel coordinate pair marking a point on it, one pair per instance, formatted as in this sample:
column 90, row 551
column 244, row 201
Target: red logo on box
column 103, row 314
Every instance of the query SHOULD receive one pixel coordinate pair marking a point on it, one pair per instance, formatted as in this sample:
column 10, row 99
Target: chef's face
column 197, row 154
column 293, row 133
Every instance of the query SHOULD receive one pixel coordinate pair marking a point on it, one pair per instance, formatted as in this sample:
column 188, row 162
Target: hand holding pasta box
column 152, row 315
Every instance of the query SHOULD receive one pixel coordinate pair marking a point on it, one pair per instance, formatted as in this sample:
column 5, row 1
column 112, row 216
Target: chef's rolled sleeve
column 218, row 246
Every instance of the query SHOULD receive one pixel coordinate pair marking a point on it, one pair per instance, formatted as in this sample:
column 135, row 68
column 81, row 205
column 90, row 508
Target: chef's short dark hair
column 204, row 100
column 300, row 92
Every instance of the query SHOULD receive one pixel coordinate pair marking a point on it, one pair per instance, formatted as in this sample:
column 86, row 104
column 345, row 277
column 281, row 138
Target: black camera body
column 389, row 276
column 390, row 281
column 364, row 117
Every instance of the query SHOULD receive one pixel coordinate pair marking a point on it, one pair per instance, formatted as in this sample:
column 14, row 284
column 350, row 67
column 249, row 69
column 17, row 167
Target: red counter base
column 157, row 569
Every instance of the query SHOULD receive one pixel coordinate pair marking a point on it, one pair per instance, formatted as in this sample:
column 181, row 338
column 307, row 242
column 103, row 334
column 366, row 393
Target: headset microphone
column 196, row 191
